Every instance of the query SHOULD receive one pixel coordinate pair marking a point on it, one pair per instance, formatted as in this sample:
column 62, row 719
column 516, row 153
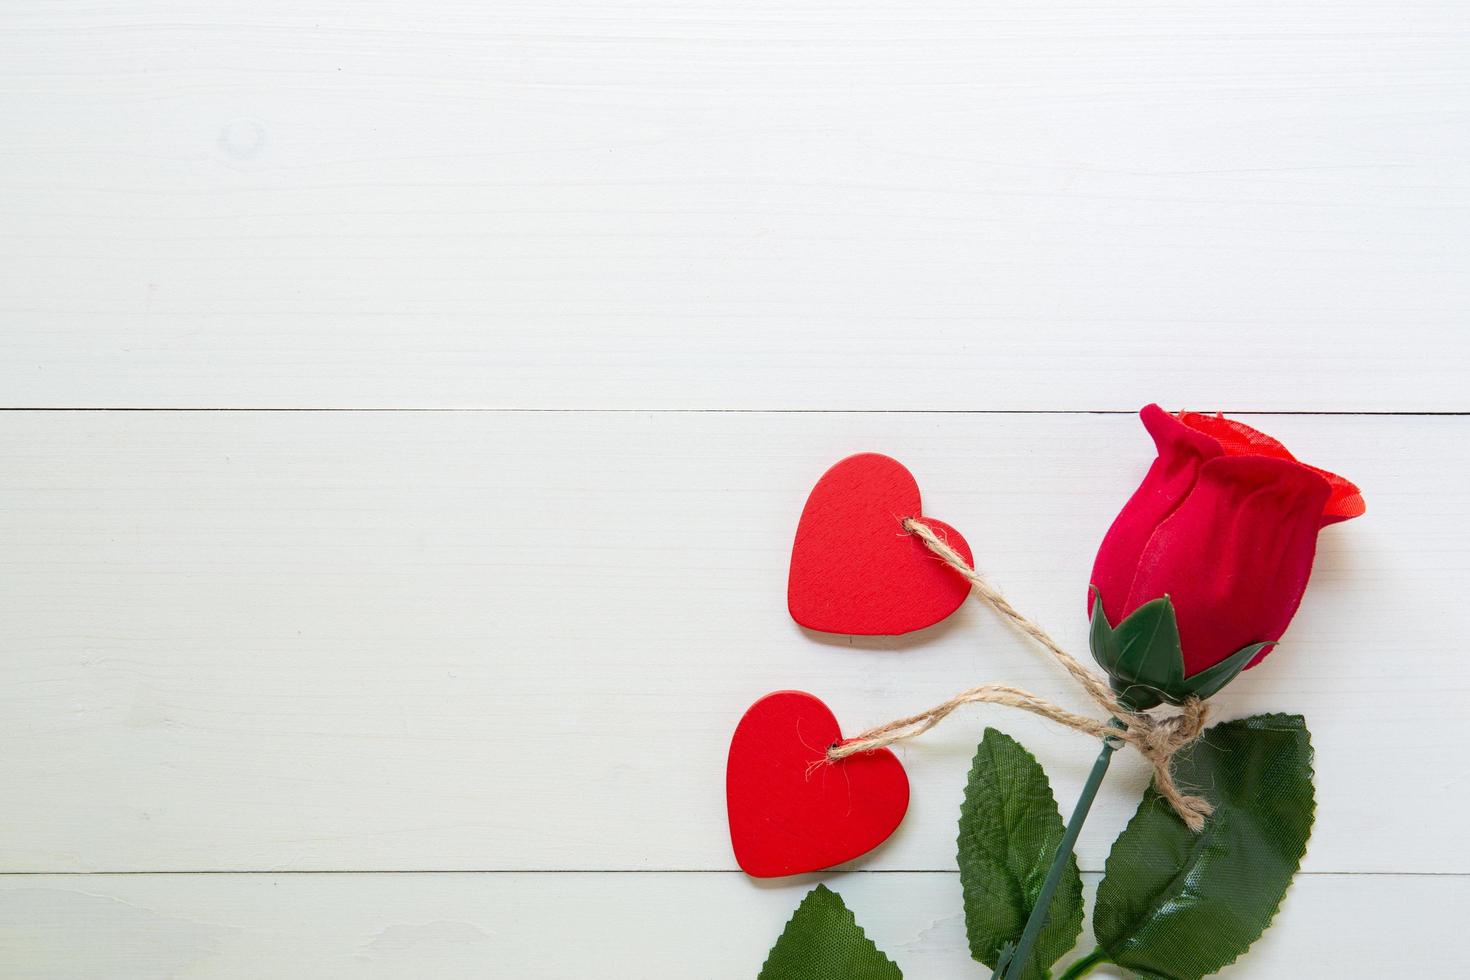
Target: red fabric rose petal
column 1182, row 451
column 1235, row 557
column 1238, row 439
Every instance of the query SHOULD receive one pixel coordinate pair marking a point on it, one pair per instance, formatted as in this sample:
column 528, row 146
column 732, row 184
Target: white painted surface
column 767, row 204
column 510, row 645
column 470, row 640
column 549, row 927
column 368, row 641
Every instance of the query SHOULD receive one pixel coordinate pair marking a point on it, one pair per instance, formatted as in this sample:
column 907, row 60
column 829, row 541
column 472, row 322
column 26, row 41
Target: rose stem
column 1084, row 966
column 1017, row 965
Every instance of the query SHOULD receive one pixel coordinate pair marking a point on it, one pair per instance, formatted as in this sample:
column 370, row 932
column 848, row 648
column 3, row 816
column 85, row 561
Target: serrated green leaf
column 1210, row 681
column 1009, row 830
column 1176, row 905
column 822, row 941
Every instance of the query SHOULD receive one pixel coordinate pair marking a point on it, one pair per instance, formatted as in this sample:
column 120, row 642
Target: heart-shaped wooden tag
column 793, row 811
column 853, row 567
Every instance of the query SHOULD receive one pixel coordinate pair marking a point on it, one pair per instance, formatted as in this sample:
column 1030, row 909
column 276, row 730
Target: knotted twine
column 1156, row 738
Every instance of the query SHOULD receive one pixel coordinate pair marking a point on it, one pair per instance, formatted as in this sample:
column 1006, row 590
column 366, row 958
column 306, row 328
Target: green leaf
column 1142, row 656
column 823, row 941
column 1210, row 681
column 1144, row 660
column 1177, row 905
column 1100, row 637
column 1009, row 829
column 1149, row 665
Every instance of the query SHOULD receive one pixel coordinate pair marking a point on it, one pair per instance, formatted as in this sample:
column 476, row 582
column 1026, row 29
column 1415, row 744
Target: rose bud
column 1205, row 566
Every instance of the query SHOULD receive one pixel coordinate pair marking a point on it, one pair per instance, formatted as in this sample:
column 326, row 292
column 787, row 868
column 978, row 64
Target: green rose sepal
column 1145, row 663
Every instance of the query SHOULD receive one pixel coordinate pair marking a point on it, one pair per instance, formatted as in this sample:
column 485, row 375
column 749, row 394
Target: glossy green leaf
column 1100, row 636
column 823, row 941
column 1144, row 660
column 1150, row 665
column 1210, row 681
column 1142, row 656
column 1009, row 829
column 1148, row 642
column 1176, row 905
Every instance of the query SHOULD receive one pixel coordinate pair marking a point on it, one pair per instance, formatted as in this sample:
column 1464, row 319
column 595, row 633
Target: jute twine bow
column 1157, row 739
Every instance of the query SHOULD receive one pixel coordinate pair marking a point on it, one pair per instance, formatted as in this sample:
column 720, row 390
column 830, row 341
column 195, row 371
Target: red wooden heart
column 853, row 567
column 792, row 811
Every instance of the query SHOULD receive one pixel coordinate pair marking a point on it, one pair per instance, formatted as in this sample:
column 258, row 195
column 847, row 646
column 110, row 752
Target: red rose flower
column 1225, row 524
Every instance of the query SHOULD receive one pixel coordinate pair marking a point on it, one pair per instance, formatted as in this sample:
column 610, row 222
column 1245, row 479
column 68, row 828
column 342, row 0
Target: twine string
column 1155, row 738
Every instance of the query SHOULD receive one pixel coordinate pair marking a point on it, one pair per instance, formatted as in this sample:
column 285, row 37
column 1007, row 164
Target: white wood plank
column 881, row 205
column 420, row 641
column 562, row 926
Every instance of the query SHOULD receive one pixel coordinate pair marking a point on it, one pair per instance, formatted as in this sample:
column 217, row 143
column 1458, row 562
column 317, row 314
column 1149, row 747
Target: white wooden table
column 408, row 407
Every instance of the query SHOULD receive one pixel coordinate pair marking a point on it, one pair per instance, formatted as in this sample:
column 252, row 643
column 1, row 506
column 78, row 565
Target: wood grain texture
column 880, row 205
column 518, row 639
column 463, row 640
column 553, row 927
